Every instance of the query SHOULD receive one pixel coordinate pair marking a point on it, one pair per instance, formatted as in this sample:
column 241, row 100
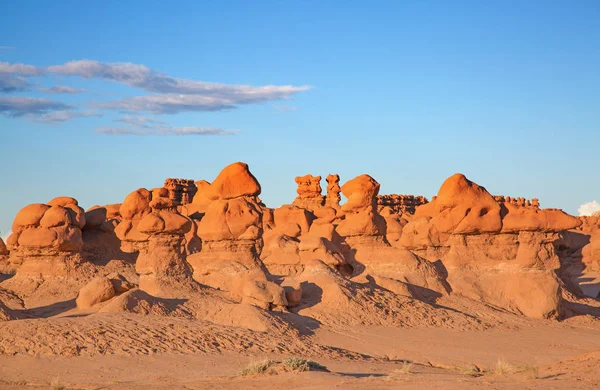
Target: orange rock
column 136, row 204
column 99, row 289
column 56, row 216
column 29, row 216
column 533, row 219
column 295, row 216
column 37, row 238
column 309, row 192
column 240, row 215
column 213, row 226
column 151, row 223
column 234, row 181
column 95, row 217
column 463, row 207
column 68, row 239
column 361, row 193
column 63, row 201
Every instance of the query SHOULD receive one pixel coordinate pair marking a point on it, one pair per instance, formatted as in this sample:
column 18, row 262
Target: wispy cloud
column 589, row 208
column 140, row 76
column 165, row 130
column 10, row 83
column 22, row 106
column 56, row 117
column 169, row 95
column 20, row 69
column 62, row 89
column 7, row 47
column 168, row 104
column 140, row 121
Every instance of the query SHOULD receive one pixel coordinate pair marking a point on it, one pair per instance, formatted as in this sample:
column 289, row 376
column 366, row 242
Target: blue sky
column 410, row 92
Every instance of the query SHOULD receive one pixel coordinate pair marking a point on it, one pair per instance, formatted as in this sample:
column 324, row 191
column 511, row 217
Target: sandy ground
column 544, row 354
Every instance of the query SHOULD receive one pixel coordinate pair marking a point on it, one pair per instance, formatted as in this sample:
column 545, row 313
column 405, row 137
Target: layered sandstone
column 506, row 252
column 181, row 191
column 500, row 253
column 309, row 192
column 400, row 204
column 47, row 238
column 230, row 227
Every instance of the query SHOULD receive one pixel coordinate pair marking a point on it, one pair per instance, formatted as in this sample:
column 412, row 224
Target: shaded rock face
column 579, row 252
column 500, row 253
column 100, row 242
column 161, row 264
column 47, row 238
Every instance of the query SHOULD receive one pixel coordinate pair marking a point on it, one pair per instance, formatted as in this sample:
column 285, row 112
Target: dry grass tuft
column 504, row 368
column 404, row 369
column 56, row 385
column 257, row 367
column 287, row 365
column 470, row 370
column 298, row 364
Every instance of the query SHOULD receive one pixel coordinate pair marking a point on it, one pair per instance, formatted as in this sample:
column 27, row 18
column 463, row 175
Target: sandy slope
column 132, row 351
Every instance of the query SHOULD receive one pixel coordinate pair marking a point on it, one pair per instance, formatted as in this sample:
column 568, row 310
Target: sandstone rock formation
column 309, row 192
column 161, row 265
column 311, row 255
column 333, row 197
column 181, row 191
column 100, row 242
column 400, row 204
column 230, row 227
column 494, row 252
column 47, row 239
column 101, row 289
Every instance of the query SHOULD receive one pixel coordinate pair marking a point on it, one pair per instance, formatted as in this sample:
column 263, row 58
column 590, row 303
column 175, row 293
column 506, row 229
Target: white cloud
column 11, row 83
column 170, row 95
column 169, row 104
column 55, row 117
column 21, row 69
column 62, row 89
column 589, row 208
column 140, row 121
column 165, row 130
column 22, row 106
column 140, row 76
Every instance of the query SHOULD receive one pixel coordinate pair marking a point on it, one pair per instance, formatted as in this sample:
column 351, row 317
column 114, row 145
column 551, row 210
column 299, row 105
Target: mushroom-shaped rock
column 361, row 193
column 136, row 204
column 234, row 181
column 462, row 207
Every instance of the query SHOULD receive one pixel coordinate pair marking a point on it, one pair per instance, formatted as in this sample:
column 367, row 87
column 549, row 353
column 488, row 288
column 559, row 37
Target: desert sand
column 198, row 284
